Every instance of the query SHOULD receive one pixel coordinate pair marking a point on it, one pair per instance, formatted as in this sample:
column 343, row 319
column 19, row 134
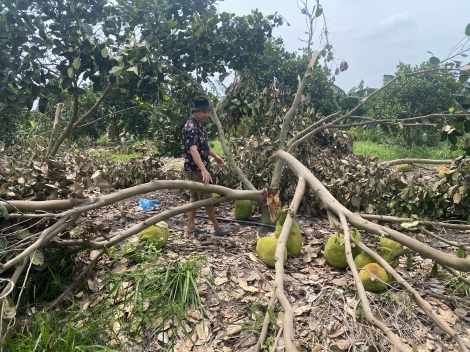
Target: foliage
column 50, row 332
column 416, row 95
column 155, row 296
column 259, row 98
column 350, row 100
column 14, row 125
column 251, row 154
column 169, row 117
column 49, row 48
column 357, row 181
column 45, row 282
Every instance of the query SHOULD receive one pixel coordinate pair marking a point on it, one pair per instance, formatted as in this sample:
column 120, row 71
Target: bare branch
column 361, row 291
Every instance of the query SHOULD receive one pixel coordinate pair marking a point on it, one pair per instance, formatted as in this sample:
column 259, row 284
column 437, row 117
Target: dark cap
column 201, row 103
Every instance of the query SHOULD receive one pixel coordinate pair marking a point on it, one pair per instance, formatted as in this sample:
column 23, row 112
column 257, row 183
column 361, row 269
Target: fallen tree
column 64, row 219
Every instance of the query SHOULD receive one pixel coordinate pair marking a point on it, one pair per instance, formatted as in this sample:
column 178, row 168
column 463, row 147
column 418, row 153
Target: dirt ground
column 327, row 310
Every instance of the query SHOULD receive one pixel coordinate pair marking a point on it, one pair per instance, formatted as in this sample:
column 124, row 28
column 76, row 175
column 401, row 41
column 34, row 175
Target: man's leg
column 191, row 217
column 211, row 214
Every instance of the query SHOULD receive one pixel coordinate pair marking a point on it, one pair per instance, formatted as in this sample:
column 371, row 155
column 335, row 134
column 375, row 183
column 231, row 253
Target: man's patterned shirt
column 194, row 134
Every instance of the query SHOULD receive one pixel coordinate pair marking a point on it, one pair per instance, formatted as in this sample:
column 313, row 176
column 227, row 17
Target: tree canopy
column 125, row 49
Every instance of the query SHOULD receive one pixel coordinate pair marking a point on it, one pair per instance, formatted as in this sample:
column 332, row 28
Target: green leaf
column 453, row 139
column 464, row 76
column 409, row 261
column 434, row 270
column 36, row 257
column 434, row 60
column 172, row 23
column 134, row 69
column 76, row 90
column 8, row 308
column 115, row 71
column 70, row 72
column 410, row 224
column 319, row 11
column 53, row 89
column 461, row 253
column 76, row 63
column 467, row 30
column 4, row 212
column 104, row 52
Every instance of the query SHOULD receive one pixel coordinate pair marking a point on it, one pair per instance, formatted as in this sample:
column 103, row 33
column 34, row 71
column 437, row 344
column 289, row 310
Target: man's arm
column 206, row 176
column 218, row 159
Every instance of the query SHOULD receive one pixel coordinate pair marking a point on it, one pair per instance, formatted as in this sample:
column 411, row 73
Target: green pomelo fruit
column 243, row 209
column 335, row 253
column 374, row 277
column 266, row 250
column 389, row 243
column 158, row 234
column 362, row 260
column 294, row 240
column 387, row 254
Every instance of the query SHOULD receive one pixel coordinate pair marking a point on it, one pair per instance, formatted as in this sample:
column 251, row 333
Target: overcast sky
column 372, row 35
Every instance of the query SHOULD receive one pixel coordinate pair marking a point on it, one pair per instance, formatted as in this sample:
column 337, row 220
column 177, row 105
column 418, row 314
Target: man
column 197, row 165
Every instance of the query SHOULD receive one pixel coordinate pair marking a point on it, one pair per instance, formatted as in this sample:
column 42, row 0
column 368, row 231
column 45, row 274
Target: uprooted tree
column 302, row 132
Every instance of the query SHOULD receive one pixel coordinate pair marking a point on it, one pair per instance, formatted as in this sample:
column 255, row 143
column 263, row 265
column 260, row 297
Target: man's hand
column 219, row 160
column 206, row 176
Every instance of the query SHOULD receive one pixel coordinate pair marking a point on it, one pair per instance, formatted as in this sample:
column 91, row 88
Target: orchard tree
column 256, row 99
column 49, row 47
column 417, row 95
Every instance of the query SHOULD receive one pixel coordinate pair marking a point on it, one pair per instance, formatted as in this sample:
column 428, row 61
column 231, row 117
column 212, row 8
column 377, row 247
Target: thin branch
column 106, row 116
column 361, row 291
column 93, row 108
column 264, row 330
column 446, row 225
column 288, row 321
column 437, row 237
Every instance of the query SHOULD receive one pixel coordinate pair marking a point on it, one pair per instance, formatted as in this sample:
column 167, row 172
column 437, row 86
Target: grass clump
column 50, row 332
column 155, row 295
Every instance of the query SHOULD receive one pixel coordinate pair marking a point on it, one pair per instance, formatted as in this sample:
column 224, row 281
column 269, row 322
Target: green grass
column 386, row 152
column 47, row 332
column 216, row 147
column 122, row 158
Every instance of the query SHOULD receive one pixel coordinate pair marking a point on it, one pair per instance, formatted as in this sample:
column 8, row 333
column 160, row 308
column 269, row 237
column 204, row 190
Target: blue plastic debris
column 148, row 204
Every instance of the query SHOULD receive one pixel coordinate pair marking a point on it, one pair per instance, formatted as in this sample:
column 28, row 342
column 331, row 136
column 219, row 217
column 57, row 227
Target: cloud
column 397, row 20
column 388, row 27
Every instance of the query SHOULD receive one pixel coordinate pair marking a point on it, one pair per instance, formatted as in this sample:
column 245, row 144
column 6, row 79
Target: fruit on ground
column 374, row 277
column 158, row 234
column 387, row 254
column 335, row 252
column 243, row 209
column 389, row 243
column 362, row 260
column 266, row 250
column 294, row 240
